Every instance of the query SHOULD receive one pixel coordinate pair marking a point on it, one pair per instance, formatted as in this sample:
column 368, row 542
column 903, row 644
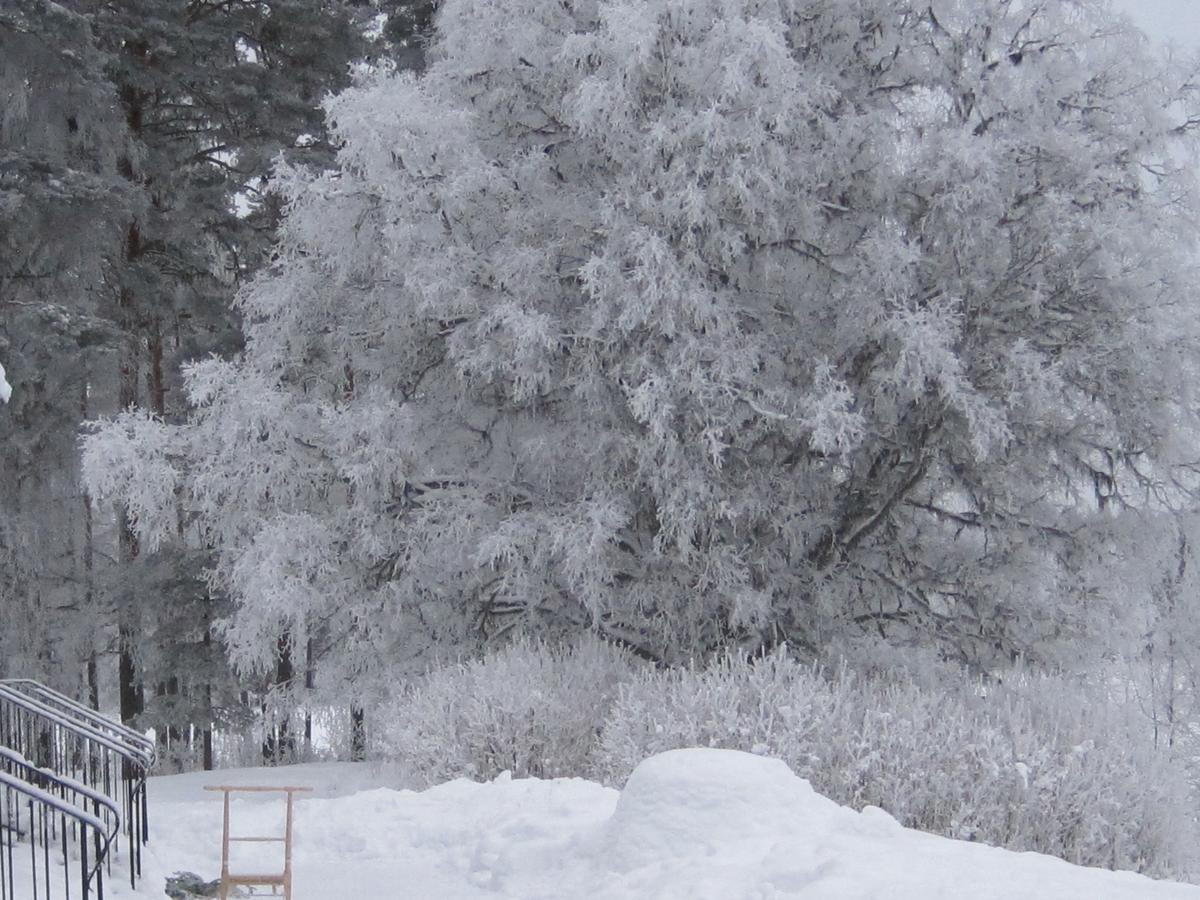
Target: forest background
column 538, row 385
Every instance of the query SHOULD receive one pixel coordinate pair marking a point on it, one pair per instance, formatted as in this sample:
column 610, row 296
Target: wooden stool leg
column 287, row 851
column 225, row 851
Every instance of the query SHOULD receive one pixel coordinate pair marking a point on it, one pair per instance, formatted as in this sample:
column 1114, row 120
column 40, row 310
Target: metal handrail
column 52, row 697
column 118, row 744
column 101, row 751
column 102, row 837
column 96, row 798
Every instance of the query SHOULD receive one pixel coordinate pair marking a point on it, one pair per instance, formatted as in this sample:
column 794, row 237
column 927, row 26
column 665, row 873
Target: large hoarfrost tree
column 702, row 323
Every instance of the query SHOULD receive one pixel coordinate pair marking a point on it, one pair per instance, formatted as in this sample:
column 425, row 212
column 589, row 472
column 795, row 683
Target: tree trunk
column 278, row 744
column 207, row 739
column 89, row 570
column 358, row 734
column 207, row 724
column 157, row 384
column 310, row 681
column 132, row 698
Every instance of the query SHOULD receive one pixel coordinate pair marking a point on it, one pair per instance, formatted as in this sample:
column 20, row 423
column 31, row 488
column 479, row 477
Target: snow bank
column 705, row 803
column 695, row 824
column 5, row 387
column 723, row 824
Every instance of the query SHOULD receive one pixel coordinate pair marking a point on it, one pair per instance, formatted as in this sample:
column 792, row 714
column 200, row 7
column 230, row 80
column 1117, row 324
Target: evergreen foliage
column 211, row 93
column 134, row 143
column 62, row 202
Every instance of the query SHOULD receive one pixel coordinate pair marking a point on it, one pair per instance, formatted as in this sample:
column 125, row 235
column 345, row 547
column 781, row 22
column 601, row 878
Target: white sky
column 1170, row 21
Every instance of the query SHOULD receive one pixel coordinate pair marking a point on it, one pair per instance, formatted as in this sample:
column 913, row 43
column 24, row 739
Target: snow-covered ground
column 692, row 824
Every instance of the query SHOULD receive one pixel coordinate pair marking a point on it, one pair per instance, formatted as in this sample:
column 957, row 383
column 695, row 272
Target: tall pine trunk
column 358, row 734
column 92, row 672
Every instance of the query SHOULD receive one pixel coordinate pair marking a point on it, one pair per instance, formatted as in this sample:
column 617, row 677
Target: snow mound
column 705, row 824
column 700, row 801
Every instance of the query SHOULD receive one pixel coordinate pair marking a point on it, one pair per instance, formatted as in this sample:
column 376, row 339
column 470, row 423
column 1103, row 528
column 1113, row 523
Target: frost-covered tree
column 728, row 321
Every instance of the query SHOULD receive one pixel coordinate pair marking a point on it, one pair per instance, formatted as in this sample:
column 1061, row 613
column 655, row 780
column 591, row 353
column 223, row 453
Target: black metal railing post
column 73, row 769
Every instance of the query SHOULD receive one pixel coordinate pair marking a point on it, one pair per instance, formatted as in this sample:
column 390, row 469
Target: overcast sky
column 1177, row 21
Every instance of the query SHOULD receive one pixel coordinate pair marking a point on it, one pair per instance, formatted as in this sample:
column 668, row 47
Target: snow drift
column 690, row 824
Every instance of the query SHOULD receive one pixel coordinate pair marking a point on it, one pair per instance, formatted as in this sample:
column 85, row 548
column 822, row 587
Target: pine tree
column 211, row 93
column 407, row 30
column 134, row 142
column 61, row 205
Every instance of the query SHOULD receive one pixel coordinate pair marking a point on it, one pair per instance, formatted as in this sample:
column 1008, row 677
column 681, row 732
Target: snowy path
column 691, row 825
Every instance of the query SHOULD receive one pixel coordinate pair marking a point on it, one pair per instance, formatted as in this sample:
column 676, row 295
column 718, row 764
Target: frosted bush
column 1042, row 765
column 1036, row 763
column 530, row 708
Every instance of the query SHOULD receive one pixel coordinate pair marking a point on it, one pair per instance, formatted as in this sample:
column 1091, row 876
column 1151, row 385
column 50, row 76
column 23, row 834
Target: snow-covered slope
column 690, row 824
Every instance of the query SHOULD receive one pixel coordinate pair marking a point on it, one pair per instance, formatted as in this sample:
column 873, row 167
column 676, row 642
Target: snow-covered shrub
column 531, row 708
column 1041, row 765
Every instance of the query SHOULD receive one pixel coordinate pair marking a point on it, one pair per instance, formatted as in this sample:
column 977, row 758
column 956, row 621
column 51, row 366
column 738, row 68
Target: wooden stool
column 284, row 878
